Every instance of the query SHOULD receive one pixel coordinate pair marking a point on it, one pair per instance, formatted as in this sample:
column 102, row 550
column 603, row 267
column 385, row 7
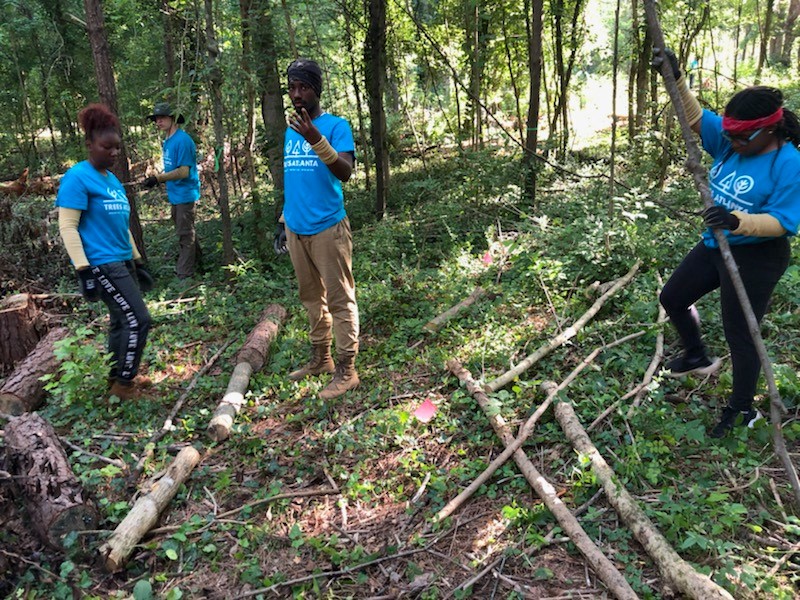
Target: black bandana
column 308, row 72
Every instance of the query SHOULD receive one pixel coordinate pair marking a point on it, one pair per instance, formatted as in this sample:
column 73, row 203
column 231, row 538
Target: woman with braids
column 93, row 213
column 755, row 185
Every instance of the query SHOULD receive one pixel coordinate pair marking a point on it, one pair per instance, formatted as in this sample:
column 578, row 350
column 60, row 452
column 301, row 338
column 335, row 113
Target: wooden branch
column 23, row 391
column 251, row 358
column 658, row 356
column 435, row 324
column 563, row 337
column 524, row 433
column 54, row 497
column 603, row 567
column 675, row 570
column 695, row 166
column 145, row 512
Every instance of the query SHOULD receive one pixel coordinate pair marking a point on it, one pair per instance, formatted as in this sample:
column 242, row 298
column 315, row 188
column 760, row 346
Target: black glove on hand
column 718, row 217
column 144, row 278
column 658, row 60
column 150, row 182
column 89, row 286
column 279, row 241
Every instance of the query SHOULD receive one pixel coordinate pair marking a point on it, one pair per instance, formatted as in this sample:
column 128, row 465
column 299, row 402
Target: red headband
column 732, row 125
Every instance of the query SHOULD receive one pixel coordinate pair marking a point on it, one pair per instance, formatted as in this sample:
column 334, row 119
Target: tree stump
column 53, row 495
column 23, row 391
column 21, row 327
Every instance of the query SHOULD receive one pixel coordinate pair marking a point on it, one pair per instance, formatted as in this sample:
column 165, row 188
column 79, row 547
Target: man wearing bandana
column 755, row 184
column 318, row 155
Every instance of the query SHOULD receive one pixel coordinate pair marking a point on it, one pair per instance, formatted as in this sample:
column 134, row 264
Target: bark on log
column 145, row 512
column 251, row 358
column 563, row 337
column 21, row 327
column 23, row 392
column 603, row 567
column 434, row 324
column 677, row 572
column 53, row 495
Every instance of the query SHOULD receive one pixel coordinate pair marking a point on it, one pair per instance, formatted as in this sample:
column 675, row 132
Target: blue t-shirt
column 104, row 221
column 180, row 151
column 766, row 183
column 313, row 199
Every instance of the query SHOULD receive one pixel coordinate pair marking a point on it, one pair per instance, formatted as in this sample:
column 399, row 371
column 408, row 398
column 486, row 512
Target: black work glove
column 90, row 289
column 279, row 241
column 658, row 60
column 718, row 217
column 144, row 278
column 150, row 182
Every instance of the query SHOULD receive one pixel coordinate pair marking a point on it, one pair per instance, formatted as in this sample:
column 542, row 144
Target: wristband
column 325, row 151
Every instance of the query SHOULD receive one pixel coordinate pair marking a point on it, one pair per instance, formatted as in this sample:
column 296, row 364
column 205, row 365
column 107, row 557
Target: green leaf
column 143, row 590
column 172, row 554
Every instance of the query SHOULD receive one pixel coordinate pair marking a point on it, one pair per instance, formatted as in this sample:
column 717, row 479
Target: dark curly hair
column 95, row 119
column 760, row 101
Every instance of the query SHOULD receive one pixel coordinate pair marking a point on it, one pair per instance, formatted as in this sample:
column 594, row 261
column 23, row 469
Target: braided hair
column 95, row 119
column 761, row 101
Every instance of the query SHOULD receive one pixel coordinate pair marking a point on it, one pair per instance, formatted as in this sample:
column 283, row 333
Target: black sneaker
column 682, row 366
column 731, row 418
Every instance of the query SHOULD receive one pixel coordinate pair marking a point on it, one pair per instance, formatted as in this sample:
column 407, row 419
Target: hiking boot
column 321, row 362
column 732, row 417
column 122, row 390
column 682, row 366
column 345, row 378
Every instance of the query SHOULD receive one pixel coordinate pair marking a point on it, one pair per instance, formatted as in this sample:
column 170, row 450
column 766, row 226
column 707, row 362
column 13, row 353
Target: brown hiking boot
column 321, row 362
column 345, row 378
column 122, row 391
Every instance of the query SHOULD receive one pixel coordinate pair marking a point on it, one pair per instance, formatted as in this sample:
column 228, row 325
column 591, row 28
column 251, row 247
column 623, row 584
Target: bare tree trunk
column 789, row 35
column 533, row 26
column 290, row 29
column 250, row 93
column 765, row 33
column 215, row 84
column 362, row 130
column 169, row 42
column 513, row 77
column 375, row 72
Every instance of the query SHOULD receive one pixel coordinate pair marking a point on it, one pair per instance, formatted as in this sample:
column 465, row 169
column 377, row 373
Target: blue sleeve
column 185, row 153
column 342, row 137
column 711, row 134
column 72, row 193
column 784, row 202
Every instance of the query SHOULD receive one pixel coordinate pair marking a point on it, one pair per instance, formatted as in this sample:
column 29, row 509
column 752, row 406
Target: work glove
column 150, row 182
column 279, row 241
column 658, row 60
column 89, row 286
column 144, row 278
column 718, row 217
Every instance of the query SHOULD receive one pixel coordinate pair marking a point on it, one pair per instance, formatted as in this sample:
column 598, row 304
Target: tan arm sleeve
column 136, row 254
column 179, row 173
column 68, row 221
column 759, row 225
column 691, row 106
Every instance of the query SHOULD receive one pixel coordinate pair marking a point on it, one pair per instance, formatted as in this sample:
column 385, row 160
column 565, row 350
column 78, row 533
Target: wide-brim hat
column 163, row 109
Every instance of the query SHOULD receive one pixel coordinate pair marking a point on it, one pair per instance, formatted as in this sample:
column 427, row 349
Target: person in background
column 318, row 156
column 183, row 184
column 755, row 185
column 93, row 218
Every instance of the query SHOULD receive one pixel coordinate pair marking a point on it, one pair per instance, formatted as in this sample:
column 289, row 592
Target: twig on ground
column 117, row 462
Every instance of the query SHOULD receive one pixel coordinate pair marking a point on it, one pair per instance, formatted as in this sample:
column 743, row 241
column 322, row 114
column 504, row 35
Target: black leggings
column 130, row 321
column 702, row 271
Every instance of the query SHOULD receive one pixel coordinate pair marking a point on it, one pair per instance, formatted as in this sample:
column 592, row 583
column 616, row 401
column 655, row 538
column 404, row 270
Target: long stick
column 561, row 338
column 603, row 567
column 525, row 431
column 694, row 165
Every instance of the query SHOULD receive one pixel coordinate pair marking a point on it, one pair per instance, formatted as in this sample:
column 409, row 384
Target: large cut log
column 435, row 323
column 251, row 358
column 677, row 572
column 53, row 495
column 144, row 513
column 601, row 565
column 23, row 391
column 21, row 327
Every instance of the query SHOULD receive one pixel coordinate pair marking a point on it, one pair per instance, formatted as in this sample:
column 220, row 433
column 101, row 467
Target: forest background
column 489, row 154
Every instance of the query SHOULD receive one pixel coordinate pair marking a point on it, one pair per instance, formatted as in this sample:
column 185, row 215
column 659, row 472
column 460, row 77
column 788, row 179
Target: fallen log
column 435, row 324
column 677, row 572
column 563, row 337
column 145, row 512
column 603, row 567
column 23, row 391
column 53, row 495
column 251, row 358
column 21, row 327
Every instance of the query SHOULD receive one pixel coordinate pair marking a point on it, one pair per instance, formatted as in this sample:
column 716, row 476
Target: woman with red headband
column 755, row 184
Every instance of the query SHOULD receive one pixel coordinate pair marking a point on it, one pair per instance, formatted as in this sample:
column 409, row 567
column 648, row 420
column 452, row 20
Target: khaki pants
column 183, row 218
column 324, row 268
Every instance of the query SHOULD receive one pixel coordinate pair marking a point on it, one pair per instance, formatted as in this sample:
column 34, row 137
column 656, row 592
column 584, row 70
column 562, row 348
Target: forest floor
column 315, row 500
